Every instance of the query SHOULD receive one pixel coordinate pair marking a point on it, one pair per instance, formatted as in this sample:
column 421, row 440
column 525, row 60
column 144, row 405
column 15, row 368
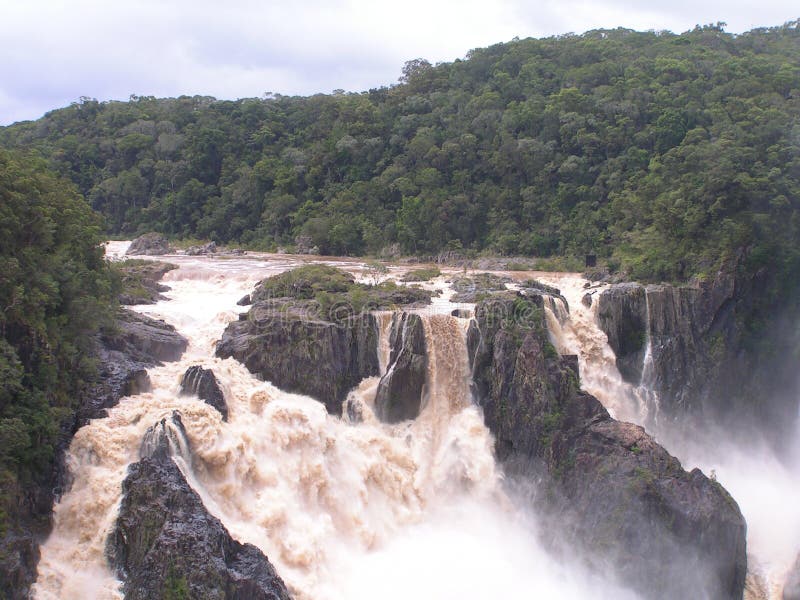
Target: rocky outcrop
column 140, row 281
column 400, row 390
column 719, row 351
column 124, row 353
column 203, row 383
column 202, row 249
column 149, row 244
column 791, row 589
column 622, row 315
column 311, row 331
column 609, row 488
column 165, row 541
column 286, row 344
column 122, row 360
column 146, row 336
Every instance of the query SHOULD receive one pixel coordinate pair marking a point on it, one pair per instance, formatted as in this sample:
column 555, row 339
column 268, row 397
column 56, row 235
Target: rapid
column 343, row 510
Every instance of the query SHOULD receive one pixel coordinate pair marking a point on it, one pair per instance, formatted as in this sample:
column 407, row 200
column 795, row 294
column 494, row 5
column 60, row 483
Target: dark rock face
column 203, row 384
column 122, row 363
column 609, row 488
column 165, row 539
column 791, row 589
column 153, row 338
column 286, row 344
column 710, row 359
column 124, row 354
column 400, row 391
column 622, row 315
column 149, row 244
column 244, row 301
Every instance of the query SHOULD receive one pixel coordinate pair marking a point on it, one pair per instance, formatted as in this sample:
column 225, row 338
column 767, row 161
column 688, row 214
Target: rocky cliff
column 123, row 353
column 400, row 391
column 718, row 348
column 289, row 346
column 311, row 331
column 166, row 544
column 611, row 490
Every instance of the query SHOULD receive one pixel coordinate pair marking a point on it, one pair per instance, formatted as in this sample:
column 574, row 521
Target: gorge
column 475, row 497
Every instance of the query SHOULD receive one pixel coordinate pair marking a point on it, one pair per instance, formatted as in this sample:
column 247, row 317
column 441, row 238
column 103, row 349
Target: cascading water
column 646, row 390
column 767, row 488
column 344, row 510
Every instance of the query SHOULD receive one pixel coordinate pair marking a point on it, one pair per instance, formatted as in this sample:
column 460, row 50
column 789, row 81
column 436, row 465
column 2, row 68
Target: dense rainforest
column 660, row 152
column 56, row 290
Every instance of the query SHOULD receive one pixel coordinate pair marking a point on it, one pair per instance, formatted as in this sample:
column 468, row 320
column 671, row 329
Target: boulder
column 400, row 391
column 124, row 353
column 287, row 344
column 605, row 487
column 150, row 337
column 165, row 541
column 791, row 589
column 203, row 383
column 461, row 313
column 244, row 301
column 149, row 244
column 202, row 250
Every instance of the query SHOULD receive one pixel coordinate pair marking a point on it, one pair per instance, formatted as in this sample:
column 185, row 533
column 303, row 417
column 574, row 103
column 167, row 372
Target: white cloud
column 54, row 51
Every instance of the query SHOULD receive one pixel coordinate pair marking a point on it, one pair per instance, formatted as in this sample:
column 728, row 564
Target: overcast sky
column 52, row 52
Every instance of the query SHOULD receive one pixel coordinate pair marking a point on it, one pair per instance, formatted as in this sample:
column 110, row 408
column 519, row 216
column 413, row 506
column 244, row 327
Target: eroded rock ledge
column 165, row 539
column 311, row 331
column 609, row 488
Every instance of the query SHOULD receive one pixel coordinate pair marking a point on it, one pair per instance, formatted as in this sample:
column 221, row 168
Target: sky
column 53, row 52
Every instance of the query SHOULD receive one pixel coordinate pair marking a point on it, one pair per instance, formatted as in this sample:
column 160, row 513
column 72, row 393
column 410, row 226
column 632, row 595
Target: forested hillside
column 662, row 153
column 55, row 291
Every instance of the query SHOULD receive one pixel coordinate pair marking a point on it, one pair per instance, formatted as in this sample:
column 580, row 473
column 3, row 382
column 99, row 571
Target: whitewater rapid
column 345, row 511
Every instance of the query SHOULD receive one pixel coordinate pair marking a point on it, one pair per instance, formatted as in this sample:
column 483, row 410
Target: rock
column 287, row 344
column 202, row 250
column 304, row 244
column 461, row 313
column 244, row 301
column 140, row 281
column 165, row 539
column 400, row 391
column 715, row 347
column 149, row 244
column 121, row 371
column 791, row 589
column 136, row 382
column 311, row 331
column 203, row 384
column 605, row 487
column 622, row 315
column 477, row 286
column 153, row 338
column 586, row 300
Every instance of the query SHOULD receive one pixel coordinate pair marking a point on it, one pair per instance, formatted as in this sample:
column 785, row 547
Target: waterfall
column 646, row 390
column 766, row 487
column 346, row 509
column 576, row 332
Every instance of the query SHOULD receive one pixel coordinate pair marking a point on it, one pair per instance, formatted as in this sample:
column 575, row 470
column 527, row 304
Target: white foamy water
column 344, row 511
column 766, row 488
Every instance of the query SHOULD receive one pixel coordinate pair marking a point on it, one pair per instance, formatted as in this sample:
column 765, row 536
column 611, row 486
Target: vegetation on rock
column 55, row 292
